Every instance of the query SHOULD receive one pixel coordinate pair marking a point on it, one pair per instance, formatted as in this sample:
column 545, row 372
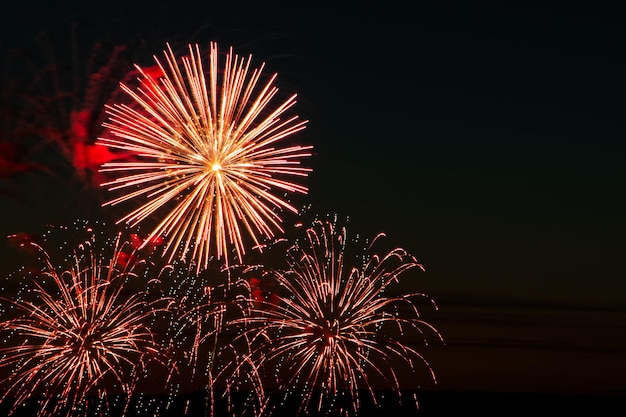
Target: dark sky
column 486, row 139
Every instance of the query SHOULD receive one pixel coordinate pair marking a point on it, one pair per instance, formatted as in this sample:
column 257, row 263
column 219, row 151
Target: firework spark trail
column 213, row 357
column 200, row 354
column 332, row 327
column 80, row 338
column 209, row 161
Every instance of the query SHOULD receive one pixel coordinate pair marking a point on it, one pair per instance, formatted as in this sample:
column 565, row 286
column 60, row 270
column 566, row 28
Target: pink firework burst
column 331, row 328
column 75, row 336
column 211, row 158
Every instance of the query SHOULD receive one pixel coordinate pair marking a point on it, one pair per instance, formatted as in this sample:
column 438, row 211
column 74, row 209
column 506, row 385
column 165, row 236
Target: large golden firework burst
column 209, row 159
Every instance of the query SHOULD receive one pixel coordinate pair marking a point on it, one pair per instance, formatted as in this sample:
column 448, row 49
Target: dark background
column 488, row 140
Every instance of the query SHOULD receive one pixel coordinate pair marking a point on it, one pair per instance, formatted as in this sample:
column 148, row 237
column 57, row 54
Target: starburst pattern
column 332, row 328
column 210, row 156
column 76, row 335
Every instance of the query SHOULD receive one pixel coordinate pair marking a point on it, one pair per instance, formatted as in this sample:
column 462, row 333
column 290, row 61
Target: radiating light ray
column 210, row 155
column 78, row 336
column 332, row 327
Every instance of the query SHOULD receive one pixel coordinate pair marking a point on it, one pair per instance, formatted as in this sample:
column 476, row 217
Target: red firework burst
column 334, row 328
column 76, row 337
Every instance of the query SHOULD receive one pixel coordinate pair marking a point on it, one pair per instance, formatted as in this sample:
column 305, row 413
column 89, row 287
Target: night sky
column 487, row 140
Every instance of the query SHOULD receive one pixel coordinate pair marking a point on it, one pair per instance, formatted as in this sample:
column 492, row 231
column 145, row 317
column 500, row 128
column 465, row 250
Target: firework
column 332, row 329
column 55, row 108
column 209, row 156
column 76, row 336
column 213, row 359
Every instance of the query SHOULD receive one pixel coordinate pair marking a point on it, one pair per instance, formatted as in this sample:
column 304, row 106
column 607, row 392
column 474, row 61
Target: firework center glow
column 216, row 167
column 327, row 333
